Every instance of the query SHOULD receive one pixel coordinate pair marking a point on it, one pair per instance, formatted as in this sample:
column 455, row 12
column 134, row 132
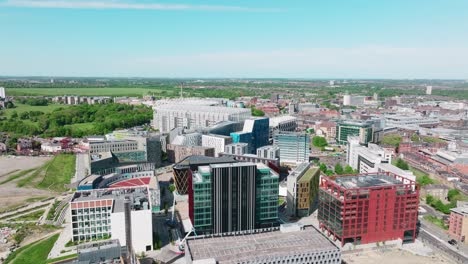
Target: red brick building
column 368, row 208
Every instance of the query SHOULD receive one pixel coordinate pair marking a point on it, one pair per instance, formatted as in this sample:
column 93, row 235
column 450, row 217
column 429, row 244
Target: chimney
column 128, row 231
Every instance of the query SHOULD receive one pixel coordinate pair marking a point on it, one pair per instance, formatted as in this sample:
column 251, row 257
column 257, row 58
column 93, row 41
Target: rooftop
column 274, row 121
column 139, row 198
column 366, row 180
column 202, row 108
column 201, row 160
column 259, row 245
column 460, row 210
column 311, row 172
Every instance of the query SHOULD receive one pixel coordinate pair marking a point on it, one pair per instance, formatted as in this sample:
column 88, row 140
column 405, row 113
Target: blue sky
column 228, row 38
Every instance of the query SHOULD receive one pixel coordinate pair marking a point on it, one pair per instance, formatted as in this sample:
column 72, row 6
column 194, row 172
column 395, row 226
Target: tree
column 402, row 164
column 429, row 199
column 415, row 138
column 452, row 194
column 338, row 169
column 319, row 142
column 257, row 112
column 14, row 115
column 323, row 167
column 348, row 169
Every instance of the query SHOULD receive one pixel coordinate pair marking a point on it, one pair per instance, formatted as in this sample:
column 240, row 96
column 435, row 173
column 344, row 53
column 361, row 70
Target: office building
column 185, row 168
column 294, row 146
column 2, row 93
column 363, row 130
column 176, row 153
column 281, row 124
column 302, row 185
column 270, row 152
column 458, row 224
column 99, row 214
column 243, row 137
column 97, row 252
column 237, row 149
column 290, row 243
column 233, row 197
column 186, row 115
column 353, row 100
column 366, row 159
column 404, row 121
column 259, row 129
column 105, row 154
column 428, row 90
column 363, row 209
column 188, row 139
column 218, row 142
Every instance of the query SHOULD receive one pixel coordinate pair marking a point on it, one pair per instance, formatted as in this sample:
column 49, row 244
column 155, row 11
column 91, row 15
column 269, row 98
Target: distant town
column 144, row 170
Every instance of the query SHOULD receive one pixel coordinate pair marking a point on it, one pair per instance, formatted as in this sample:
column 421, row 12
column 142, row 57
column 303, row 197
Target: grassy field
column 26, row 108
column 53, row 175
column 59, row 172
column 97, row 91
column 35, row 253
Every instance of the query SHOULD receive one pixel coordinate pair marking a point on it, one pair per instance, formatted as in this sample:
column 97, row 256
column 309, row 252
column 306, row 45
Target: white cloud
column 103, row 4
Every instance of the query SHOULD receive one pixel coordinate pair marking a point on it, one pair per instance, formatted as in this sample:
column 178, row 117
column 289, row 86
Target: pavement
column 81, row 168
column 65, row 236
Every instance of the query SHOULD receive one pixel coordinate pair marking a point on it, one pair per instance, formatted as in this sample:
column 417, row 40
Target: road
column 81, row 168
column 425, row 236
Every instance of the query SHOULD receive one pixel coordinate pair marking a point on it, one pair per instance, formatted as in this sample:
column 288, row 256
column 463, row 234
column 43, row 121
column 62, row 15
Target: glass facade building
column 233, row 197
column 294, row 146
column 363, row 130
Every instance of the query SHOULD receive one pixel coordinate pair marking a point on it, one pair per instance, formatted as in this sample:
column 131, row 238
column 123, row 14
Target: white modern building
column 366, row 159
column 218, row 142
column 353, row 100
column 403, row 121
column 237, row 148
column 270, row 152
column 282, row 123
column 2, row 93
column 294, row 146
column 169, row 116
column 99, row 214
column 428, row 90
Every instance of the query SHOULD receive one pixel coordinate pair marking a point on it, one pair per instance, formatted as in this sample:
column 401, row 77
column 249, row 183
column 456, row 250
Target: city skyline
column 245, row 39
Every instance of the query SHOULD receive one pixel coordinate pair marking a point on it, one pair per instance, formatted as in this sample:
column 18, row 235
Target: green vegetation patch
column 58, row 173
column 35, row 253
column 436, row 221
column 392, row 139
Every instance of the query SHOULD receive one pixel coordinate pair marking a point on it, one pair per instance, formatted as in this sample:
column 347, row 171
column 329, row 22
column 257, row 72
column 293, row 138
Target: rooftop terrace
column 367, row 180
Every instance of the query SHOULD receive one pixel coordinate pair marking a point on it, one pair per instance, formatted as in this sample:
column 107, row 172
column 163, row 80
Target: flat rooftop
column 202, row 160
column 137, row 195
column 311, row 172
column 251, row 246
column 364, row 181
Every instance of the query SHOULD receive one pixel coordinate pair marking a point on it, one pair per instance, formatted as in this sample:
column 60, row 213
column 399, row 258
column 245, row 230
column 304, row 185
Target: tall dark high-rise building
column 233, row 197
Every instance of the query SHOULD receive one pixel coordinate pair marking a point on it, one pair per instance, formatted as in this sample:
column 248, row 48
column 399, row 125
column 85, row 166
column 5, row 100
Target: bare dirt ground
column 391, row 257
column 10, row 194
